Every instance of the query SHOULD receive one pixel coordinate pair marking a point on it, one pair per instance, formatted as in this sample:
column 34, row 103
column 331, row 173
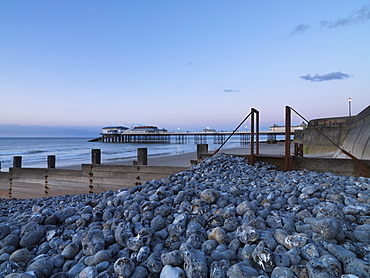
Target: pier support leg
column 96, row 156
column 51, row 161
column 142, row 156
column 17, row 162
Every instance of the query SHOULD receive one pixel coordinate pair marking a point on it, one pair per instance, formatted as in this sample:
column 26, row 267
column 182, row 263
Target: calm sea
column 76, row 151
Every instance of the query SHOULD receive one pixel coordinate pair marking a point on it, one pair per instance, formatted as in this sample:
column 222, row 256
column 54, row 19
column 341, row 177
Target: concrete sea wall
column 350, row 133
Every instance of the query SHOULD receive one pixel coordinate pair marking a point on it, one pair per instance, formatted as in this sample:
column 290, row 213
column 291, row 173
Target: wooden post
column 17, row 162
column 287, row 166
column 202, row 148
column 257, row 131
column 51, row 161
column 142, row 156
column 296, row 149
column 95, row 156
column 300, row 151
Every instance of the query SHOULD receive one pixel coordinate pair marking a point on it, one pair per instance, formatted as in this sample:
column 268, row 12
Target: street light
column 349, row 106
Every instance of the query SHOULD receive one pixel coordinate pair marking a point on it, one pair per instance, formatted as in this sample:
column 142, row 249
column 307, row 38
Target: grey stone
column 281, row 259
column 75, row 270
column 143, row 254
column 32, row 233
column 326, row 266
column 169, row 271
column 153, row 263
column 263, row 257
column 140, row 272
column 194, row 262
column 219, row 269
column 42, row 264
column 20, row 255
column 242, row 270
column 4, row 230
column 157, row 223
column 92, row 242
column 362, row 233
column 340, row 252
column 70, row 251
column 124, row 267
column 172, row 258
column 297, row 240
column 357, row 267
column 328, row 228
column 247, row 234
column 310, row 251
column 282, row 272
column 209, row 196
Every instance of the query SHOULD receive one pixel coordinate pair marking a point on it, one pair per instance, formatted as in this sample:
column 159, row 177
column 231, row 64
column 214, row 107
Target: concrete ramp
column 357, row 140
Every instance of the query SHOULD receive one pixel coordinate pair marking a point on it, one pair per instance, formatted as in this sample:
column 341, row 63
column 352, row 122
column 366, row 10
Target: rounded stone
column 4, row 230
column 282, row 272
column 43, row 264
column 217, row 234
column 169, row 271
column 70, row 251
column 92, row 242
column 21, row 255
column 140, row 272
column 32, row 233
column 362, row 233
column 88, row 272
column 209, row 196
column 124, row 267
column 242, row 270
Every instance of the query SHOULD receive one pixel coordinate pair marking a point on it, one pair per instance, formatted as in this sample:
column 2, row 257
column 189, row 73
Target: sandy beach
column 183, row 159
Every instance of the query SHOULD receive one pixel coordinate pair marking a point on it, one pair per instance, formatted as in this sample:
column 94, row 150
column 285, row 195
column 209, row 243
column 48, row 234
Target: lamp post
column 349, row 106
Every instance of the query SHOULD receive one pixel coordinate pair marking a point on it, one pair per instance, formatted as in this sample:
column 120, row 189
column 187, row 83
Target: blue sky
column 179, row 64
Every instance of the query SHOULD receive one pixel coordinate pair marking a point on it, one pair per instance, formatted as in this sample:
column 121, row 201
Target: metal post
column 17, row 162
column 349, row 107
column 142, row 156
column 300, row 150
column 51, row 161
column 95, row 156
column 251, row 156
column 287, row 166
column 257, row 131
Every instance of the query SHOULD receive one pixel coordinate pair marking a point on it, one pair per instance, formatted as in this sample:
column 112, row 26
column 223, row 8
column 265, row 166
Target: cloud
column 325, row 77
column 300, row 29
column 231, row 91
column 359, row 16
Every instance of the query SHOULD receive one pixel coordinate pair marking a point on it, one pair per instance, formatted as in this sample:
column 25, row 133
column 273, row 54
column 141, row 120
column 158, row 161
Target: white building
column 114, row 129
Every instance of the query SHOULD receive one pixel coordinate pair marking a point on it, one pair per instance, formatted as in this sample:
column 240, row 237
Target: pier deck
column 201, row 137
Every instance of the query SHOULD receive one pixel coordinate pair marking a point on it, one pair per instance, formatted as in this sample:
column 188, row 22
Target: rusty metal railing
column 254, row 133
column 364, row 168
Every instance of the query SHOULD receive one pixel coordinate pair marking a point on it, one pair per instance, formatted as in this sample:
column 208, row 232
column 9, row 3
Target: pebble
column 221, row 218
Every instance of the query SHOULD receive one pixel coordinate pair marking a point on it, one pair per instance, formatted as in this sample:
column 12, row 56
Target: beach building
column 114, row 130
column 276, row 127
column 148, row 129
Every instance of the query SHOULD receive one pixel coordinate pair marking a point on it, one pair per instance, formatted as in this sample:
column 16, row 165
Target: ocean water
column 77, row 151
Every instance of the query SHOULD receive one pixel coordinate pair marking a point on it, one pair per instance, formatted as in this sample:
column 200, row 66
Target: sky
column 72, row 67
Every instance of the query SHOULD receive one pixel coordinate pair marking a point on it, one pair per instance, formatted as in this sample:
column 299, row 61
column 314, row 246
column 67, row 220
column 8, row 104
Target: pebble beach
column 221, row 218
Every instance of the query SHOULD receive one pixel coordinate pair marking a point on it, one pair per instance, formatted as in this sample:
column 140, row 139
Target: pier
column 201, row 137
